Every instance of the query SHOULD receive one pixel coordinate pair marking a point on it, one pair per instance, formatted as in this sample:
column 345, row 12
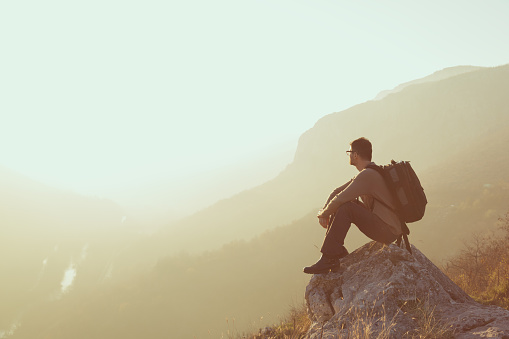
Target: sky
column 135, row 100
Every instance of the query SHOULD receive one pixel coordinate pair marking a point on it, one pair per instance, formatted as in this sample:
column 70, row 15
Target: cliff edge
column 385, row 291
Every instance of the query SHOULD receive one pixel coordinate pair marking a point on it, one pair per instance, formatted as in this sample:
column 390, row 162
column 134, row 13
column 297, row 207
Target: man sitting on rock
column 343, row 208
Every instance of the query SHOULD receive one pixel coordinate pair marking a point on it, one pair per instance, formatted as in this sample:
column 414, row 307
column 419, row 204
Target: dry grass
column 369, row 325
column 294, row 326
column 429, row 324
column 361, row 324
column 366, row 323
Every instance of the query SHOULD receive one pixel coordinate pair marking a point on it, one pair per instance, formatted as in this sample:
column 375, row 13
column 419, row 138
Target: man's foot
column 343, row 253
column 324, row 265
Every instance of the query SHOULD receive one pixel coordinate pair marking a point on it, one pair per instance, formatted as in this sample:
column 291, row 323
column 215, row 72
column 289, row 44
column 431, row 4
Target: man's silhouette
column 344, row 208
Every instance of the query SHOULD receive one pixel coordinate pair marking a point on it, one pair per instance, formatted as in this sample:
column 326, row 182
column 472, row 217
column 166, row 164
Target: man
column 371, row 216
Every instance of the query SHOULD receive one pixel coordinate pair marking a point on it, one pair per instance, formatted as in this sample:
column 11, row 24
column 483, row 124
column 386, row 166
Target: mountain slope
column 255, row 281
column 190, row 296
column 47, row 232
column 424, row 123
column 460, row 156
column 437, row 76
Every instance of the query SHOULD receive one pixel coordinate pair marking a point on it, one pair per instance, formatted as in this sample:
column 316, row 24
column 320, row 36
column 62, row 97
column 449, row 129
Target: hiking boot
column 324, row 265
column 343, row 253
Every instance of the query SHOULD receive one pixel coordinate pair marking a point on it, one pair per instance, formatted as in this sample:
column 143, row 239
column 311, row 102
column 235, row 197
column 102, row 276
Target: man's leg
column 333, row 249
column 367, row 222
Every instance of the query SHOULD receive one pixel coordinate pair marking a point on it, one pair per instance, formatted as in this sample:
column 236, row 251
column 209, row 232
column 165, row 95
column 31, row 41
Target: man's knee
column 344, row 211
column 346, row 207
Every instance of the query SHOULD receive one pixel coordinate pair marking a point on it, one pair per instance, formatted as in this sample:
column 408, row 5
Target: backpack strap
column 404, row 228
column 404, row 235
column 407, row 243
column 380, row 171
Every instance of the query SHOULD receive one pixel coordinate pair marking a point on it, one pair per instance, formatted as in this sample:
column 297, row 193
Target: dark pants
column 367, row 222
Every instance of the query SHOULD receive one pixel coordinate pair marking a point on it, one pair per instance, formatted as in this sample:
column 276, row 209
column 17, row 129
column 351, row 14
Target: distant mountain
column 252, row 283
column 45, row 233
column 437, row 76
column 427, row 123
column 454, row 131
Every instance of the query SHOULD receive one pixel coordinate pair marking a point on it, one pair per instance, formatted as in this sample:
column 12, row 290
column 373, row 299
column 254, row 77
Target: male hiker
column 343, row 208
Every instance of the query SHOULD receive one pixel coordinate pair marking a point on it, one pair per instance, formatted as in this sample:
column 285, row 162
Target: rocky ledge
column 386, row 292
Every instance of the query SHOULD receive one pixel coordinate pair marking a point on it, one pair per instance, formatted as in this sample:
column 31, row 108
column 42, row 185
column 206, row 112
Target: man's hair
column 362, row 146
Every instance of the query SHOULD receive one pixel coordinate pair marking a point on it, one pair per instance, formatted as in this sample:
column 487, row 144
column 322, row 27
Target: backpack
column 408, row 194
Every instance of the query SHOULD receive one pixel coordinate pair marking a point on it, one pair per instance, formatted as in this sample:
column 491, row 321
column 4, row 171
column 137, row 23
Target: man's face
column 353, row 157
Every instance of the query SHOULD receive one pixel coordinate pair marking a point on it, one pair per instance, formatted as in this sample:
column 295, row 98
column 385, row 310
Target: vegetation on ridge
column 297, row 323
column 456, row 127
column 482, row 268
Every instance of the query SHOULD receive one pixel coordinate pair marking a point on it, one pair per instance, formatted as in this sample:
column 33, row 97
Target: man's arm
column 324, row 221
column 360, row 185
column 337, row 191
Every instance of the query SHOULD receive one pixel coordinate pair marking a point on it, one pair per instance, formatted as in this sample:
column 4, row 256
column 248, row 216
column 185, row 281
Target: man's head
column 360, row 149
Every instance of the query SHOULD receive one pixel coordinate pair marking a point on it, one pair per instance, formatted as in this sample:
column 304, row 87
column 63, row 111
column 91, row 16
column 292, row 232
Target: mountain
column 189, row 296
column 429, row 123
column 437, row 76
column 47, row 233
column 384, row 291
column 251, row 283
column 188, row 281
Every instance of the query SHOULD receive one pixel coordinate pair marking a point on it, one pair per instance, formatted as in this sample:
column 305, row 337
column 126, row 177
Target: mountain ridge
column 384, row 291
column 47, row 231
column 463, row 103
column 436, row 76
column 224, row 270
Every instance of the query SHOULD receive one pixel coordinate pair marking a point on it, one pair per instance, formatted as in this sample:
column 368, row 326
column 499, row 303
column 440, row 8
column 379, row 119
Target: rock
column 385, row 291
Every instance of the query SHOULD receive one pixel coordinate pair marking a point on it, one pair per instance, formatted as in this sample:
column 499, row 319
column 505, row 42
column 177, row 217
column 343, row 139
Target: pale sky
column 102, row 97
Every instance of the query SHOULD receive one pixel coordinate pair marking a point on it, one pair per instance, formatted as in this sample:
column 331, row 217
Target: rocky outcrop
column 386, row 292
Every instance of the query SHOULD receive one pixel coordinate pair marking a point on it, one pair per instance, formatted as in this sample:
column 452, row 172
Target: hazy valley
column 242, row 256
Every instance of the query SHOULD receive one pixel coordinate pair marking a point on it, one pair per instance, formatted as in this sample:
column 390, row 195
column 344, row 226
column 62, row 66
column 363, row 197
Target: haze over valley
column 87, row 255
column 162, row 164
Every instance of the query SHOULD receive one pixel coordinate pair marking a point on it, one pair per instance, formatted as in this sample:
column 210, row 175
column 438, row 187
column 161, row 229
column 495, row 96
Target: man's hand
column 324, row 221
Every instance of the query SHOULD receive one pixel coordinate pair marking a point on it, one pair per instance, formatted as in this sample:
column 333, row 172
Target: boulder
column 385, row 292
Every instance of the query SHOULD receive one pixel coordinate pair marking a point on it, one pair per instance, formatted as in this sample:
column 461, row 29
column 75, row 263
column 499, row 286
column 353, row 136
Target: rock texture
column 386, row 292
